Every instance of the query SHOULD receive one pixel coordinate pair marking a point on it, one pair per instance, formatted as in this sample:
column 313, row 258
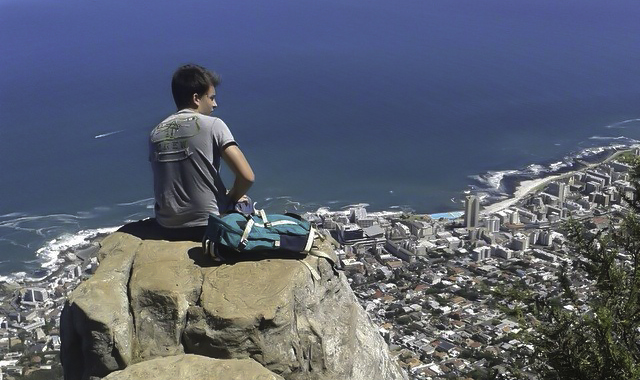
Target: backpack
column 236, row 233
column 237, row 236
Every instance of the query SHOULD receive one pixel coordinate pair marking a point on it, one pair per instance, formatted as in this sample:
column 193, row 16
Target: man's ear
column 196, row 99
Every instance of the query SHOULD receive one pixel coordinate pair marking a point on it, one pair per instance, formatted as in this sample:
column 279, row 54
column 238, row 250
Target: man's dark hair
column 189, row 80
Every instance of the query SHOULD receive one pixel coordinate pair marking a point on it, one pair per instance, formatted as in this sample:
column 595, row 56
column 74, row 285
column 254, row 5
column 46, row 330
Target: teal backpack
column 234, row 235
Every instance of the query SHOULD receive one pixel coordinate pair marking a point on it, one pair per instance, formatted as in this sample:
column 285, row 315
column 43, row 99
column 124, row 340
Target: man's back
column 185, row 151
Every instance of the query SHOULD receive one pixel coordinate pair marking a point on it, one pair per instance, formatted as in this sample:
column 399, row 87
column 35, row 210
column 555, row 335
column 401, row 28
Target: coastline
column 526, row 187
column 54, row 249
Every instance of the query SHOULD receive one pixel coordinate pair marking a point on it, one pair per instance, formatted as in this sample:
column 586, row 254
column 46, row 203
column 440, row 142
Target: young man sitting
column 185, row 151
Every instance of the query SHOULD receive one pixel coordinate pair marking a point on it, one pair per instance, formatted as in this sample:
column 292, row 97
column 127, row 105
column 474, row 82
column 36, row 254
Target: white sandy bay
column 524, row 188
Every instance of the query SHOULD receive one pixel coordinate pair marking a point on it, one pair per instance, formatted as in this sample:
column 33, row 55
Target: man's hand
column 244, row 198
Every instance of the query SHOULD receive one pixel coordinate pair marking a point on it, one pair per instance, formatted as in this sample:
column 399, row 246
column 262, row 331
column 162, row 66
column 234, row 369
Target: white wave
column 48, row 237
column 535, row 169
column 590, row 152
column 135, row 217
column 19, row 276
column 554, row 167
column 7, row 278
column 568, row 160
column 85, row 214
column 14, row 277
column 482, row 196
column 137, row 203
column 31, row 223
column 621, row 124
column 322, row 210
column 622, row 146
column 493, row 179
column 107, row 134
column 607, row 138
column 49, row 254
column 355, row 205
column 13, row 215
column 402, row 208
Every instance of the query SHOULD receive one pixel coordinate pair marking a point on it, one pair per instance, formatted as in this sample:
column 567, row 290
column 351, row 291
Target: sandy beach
column 524, row 188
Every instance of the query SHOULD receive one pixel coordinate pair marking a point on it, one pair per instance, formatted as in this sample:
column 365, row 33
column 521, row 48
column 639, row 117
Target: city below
column 434, row 284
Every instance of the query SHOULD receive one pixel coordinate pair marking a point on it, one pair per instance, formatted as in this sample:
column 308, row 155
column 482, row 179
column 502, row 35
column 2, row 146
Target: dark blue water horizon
column 334, row 102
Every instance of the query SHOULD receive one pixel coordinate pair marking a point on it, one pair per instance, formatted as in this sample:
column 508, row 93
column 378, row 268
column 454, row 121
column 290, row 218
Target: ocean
column 395, row 104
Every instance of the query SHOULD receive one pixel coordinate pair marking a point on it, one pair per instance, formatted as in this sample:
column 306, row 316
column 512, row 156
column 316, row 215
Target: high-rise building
column 493, row 224
column 514, row 217
column 357, row 213
column 35, row 295
column 520, row 242
column 480, row 253
column 471, row 211
column 562, row 193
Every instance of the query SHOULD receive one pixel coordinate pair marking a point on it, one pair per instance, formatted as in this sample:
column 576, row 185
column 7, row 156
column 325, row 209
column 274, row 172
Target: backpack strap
column 263, row 216
column 244, row 239
column 331, row 258
column 309, row 245
column 314, row 273
column 326, row 256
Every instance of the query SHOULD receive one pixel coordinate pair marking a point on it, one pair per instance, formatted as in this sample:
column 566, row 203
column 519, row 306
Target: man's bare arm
column 238, row 164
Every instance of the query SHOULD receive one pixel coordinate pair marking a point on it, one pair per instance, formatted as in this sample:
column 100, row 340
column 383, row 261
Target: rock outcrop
column 153, row 299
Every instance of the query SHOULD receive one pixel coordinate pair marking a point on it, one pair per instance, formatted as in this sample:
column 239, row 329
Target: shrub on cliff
column 599, row 341
column 598, row 336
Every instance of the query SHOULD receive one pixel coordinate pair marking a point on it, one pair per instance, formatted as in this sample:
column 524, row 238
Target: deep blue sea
column 391, row 103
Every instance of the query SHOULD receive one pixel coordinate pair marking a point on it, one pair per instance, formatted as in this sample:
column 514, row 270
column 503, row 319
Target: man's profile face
column 207, row 102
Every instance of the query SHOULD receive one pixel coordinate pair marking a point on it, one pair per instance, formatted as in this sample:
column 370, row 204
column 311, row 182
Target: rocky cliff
column 153, row 301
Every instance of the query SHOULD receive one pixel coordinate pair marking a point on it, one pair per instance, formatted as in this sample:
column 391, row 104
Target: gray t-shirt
column 185, row 151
